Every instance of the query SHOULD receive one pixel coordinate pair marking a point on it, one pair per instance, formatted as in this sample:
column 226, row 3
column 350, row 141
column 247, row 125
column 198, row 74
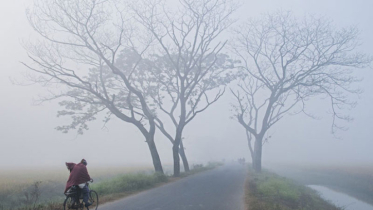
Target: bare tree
column 93, row 53
column 285, row 62
column 208, row 89
column 191, row 70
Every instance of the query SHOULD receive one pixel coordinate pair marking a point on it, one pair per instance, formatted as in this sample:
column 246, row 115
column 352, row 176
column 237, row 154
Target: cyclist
column 79, row 176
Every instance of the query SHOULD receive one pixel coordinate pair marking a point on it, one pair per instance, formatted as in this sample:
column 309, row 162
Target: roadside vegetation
column 356, row 181
column 267, row 190
column 44, row 190
column 27, row 187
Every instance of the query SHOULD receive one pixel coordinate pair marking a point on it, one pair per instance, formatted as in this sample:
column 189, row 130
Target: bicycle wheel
column 93, row 198
column 67, row 203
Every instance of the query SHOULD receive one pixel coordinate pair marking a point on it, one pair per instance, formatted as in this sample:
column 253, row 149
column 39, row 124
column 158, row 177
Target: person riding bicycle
column 79, row 176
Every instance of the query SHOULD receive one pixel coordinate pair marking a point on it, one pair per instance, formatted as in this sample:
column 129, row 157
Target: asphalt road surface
column 218, row 189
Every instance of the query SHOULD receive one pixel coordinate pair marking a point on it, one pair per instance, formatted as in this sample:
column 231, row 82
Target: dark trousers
column 85, row 192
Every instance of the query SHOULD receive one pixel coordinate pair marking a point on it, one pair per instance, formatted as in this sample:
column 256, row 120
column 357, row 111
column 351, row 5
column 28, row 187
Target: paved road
column 218, row 189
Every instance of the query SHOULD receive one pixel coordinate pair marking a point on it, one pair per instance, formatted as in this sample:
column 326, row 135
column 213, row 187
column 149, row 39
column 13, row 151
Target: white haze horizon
column 28, row 138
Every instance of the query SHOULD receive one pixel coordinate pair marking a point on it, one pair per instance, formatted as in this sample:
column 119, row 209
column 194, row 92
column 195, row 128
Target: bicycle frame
column 74, row 198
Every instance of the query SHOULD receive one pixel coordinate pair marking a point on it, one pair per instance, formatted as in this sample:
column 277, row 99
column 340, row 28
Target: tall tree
column 191, row 65
column 209, row 86
column 285, row 62
column 79, row 51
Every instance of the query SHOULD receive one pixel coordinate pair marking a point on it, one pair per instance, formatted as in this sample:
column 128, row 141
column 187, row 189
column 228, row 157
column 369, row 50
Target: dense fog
column 28, row 137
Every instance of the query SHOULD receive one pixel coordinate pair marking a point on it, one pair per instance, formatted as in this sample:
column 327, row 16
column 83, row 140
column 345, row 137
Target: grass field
column 23, row 189
column 17, row 187
column 267, row 190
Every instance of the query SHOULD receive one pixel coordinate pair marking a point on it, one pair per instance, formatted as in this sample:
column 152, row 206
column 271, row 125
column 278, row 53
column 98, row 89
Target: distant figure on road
column 79, row 176
column 241, row 161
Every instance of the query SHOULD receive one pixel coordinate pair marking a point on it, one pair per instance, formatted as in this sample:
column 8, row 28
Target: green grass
column 129, row 183
column 269, row 191
column 279, row 187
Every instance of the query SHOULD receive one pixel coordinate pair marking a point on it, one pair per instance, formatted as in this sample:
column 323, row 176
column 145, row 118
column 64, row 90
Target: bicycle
column 74, row 198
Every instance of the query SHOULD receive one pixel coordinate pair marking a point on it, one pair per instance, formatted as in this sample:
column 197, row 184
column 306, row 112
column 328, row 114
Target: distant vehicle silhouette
column 241, row 161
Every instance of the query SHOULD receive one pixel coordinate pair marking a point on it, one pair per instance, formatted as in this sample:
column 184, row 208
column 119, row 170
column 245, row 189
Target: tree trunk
column 249, row 138
column 257, row 161
column 183, row 157
column 252, row 157
column 181, row 149
column 175, row 149
column 154, row 153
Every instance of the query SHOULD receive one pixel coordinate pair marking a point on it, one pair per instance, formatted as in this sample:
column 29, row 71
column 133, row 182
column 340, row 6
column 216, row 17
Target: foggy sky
column 28, row 137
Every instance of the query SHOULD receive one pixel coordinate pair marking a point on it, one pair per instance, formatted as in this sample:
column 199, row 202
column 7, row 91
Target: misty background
column 28, row 137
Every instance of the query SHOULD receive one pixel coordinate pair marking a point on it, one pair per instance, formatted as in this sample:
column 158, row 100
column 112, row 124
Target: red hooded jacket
column 78, row 174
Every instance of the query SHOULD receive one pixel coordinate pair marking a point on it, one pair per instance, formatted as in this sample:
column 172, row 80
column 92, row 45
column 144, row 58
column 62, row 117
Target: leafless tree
column 92, row 52
column 285, row 62
column 191, row 69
